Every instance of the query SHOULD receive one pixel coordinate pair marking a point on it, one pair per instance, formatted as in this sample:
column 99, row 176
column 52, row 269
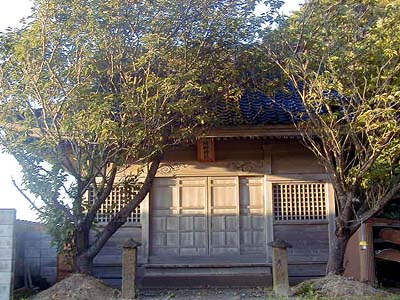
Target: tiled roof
column 256, row 108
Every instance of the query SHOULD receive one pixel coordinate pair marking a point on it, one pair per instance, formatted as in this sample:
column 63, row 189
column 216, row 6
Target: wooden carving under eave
column 205, row 150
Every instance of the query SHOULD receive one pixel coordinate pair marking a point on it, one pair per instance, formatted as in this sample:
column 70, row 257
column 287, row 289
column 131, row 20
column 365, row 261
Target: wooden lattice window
column 118, row 198
column 299, row 201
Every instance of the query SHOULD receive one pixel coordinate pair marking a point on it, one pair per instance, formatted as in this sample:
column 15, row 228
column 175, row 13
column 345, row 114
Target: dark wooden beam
column 389, row 254
column 390, row 235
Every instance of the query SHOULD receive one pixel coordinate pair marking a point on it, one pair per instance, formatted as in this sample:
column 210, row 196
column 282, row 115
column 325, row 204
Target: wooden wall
column 285, row 159
column 107, row 264
column 310, row 241
column 292, row 158
column 310, row 248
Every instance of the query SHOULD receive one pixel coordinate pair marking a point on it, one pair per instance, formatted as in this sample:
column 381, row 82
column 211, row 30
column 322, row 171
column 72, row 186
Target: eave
column 287, row 131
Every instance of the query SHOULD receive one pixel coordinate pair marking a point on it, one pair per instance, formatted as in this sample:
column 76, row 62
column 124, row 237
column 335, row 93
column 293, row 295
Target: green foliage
column 391, row 211
column 351, row 49
column 343, row 58
column 307, row 290
column 89, row 87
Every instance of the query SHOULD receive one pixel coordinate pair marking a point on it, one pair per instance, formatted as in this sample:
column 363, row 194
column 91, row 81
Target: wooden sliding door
column 207, row 217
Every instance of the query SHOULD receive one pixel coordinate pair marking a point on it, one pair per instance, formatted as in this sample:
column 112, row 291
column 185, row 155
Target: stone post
column 129, row 262
column 280, row 267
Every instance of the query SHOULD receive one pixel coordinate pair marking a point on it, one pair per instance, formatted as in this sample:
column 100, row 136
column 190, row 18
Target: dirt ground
column 334, row 286
column 203, row 294
column 81, row 287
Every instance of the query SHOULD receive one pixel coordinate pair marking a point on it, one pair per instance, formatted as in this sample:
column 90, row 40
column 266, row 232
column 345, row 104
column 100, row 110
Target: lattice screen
column 114, row 202
column 299, row 201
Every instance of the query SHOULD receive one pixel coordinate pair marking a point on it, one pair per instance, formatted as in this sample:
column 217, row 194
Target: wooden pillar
column 367, row 272
column 129, row 262
column 280, row 267
column 363, row 265
column 363, row 255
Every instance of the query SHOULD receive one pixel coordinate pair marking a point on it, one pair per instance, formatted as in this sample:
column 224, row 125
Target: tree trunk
column 87, row 252
column 83, row 264
column 336, row 256
column 343, row 233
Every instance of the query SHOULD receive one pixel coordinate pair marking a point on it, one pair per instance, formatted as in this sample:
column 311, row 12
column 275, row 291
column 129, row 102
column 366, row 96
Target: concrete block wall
column 7, row 258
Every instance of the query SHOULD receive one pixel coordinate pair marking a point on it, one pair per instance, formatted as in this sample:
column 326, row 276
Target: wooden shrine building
column 216, row 204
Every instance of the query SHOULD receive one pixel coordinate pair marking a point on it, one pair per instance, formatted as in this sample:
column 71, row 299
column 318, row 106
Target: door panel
column 224, row 229
column 178, row 221
column 164, row 219
column 192, row 212
column 252, row 218
column 202, row 216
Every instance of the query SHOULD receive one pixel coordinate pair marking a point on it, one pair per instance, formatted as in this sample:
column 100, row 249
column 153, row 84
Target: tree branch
column 120, row 218
column 31, row 202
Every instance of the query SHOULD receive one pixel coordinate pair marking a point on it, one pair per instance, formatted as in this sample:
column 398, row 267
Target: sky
column 11, row 12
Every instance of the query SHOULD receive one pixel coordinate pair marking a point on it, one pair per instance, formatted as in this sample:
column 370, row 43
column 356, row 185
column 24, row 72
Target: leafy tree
column 342, row 59
column 90, row 87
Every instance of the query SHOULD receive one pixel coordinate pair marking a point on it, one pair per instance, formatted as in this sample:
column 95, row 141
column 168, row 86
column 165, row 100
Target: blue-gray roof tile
column 256, row 108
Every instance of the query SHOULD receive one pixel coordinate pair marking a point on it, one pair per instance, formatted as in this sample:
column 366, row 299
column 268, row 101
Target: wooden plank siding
column 310, row 249
column 107, row 265
column 310, row 241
